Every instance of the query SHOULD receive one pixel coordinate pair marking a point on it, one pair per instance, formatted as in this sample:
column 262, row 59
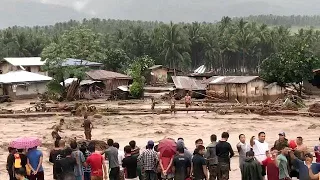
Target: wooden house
column 244, row 89
column 111, row 80
column 30, row 64
column 160, row 74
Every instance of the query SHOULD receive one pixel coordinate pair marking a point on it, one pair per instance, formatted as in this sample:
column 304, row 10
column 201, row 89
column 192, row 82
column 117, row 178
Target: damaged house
column 245, row 89
column 30, row 64
column 184, row 84
column 111, row 80
column 23, row 84
column 160, row 74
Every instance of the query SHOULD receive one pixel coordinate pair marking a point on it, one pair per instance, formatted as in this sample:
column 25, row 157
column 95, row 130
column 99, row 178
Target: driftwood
column 39, row 114
column 72, row 90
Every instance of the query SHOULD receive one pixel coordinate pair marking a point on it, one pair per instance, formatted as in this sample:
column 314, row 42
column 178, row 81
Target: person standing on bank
column 149, row 160
column 35, row 158
column 225, row 153
column 251, row 168
column 81, row 161
column 212, row 159
column 260, row 149
column 112, row 155
column 199, row 166
column 282, row 163
column 242, row 148
column 181, row 165
column 129, row 163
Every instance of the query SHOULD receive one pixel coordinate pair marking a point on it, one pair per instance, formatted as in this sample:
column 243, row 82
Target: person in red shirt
column 166, row 167
column 271, row 165
column 96, row 161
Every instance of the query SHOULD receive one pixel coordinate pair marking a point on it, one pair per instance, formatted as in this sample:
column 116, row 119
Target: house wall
column 25, row 91
column 274, row 93
column 6, row 67
column 245, row 93
column 113, row 84
column 218, row 91
column 255, row 90
column 160, row 76
column 31, row 90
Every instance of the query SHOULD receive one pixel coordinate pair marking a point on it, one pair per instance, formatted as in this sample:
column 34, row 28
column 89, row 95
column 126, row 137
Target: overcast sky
column 39, row 12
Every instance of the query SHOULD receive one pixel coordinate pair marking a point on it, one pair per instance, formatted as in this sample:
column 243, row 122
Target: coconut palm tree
column 175, row 45
column 196, row 38
column 245, row 40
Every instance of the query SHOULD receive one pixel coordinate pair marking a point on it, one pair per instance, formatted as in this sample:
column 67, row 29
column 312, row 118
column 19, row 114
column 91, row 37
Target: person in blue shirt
column 35, row 158
column 302, row 166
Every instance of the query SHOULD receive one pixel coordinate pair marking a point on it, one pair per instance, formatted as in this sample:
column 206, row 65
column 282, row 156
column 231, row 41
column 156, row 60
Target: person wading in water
column 88, row 126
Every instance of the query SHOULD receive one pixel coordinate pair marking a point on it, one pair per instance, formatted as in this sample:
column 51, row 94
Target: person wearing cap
column 187, row 153
column 149, row 161
column 302, row 166
column 281, row 142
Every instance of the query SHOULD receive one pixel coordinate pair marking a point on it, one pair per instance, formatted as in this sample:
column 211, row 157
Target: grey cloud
column 32, row 12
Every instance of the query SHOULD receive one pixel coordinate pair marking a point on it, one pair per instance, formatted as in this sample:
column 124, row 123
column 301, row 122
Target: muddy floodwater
column 142, row 128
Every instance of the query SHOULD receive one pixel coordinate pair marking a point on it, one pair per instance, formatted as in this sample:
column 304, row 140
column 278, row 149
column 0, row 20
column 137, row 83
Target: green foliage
column 136, row 89
column 230, row 46
column 115, row 60
column 78, row 43
column 293, row 64
column 135, row 72
column 138, row 72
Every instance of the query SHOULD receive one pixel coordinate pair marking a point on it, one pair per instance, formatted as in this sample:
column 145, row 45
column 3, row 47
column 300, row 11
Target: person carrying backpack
column 20, row 160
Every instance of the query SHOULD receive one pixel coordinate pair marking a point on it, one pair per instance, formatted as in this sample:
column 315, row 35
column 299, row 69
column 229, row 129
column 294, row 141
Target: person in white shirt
column 260, row 149
column 120, row 158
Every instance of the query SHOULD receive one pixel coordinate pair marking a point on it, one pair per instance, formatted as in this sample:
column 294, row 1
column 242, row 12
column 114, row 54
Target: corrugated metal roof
column 68, row 81
column 25, row 61
column 79, row 62
column 188, row 83
column 22, row 76
column 155, row 67
column 103, row 74
column 232, row 79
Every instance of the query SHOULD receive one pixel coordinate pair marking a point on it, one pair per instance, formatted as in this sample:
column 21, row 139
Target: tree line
column 287, row 21
column 230, row 46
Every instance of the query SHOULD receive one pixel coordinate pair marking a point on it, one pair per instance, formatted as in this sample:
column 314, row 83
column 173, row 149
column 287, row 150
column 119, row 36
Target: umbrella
column 167, row 147
column 25, row 142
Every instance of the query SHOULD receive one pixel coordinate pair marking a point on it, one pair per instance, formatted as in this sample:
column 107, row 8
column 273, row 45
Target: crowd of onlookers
column 286, row 160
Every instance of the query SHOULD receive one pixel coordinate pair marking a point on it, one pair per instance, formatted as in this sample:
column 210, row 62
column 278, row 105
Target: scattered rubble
column 315, row 108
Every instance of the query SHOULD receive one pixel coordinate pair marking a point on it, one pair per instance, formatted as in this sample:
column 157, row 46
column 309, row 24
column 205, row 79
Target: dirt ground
column 190, row 126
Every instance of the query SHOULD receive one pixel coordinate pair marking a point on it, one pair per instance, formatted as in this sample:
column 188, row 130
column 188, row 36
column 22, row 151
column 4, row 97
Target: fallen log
column 39, row 114
column 127, row 103
column 192, row 109
column 133, row 113
column 287, row 113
